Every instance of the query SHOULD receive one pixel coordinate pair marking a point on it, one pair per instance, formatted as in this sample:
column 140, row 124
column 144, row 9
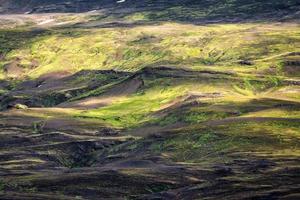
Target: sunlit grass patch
column 251, row 48
column 276, row 112
column 135, row 109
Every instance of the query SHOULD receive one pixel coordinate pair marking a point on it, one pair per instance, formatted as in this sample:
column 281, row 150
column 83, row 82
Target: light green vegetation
column 176, row 97
column 221, row 47
column 259, row 58
column 134, row 110
column 140, row 108
column 283, row 113
column 264, row 49
column 165, row 101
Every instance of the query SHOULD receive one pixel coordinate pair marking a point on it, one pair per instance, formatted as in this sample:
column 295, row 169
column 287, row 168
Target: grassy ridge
column 247, row 50
column 261, row 47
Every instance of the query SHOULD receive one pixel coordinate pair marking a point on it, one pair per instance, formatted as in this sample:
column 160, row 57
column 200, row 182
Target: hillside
column 185, row 10
column 149, row 99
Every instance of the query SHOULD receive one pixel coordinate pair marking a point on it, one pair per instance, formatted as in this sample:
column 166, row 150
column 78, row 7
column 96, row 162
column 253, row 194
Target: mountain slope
column 150, row 99
column 175, row 10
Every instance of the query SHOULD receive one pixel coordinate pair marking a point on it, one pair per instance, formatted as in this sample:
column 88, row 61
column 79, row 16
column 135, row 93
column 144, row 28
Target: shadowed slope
column 178, row 10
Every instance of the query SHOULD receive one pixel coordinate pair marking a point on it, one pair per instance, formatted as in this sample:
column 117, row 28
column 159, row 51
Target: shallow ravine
column 65, row 166
column 168, row 133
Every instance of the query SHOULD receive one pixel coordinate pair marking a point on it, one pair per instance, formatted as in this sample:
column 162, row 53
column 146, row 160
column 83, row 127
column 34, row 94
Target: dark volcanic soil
column 61, row 165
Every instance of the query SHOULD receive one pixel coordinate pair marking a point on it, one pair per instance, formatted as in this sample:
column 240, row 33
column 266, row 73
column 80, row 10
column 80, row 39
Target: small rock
column 68, row 95
column 21, row 106
column 246, row 62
